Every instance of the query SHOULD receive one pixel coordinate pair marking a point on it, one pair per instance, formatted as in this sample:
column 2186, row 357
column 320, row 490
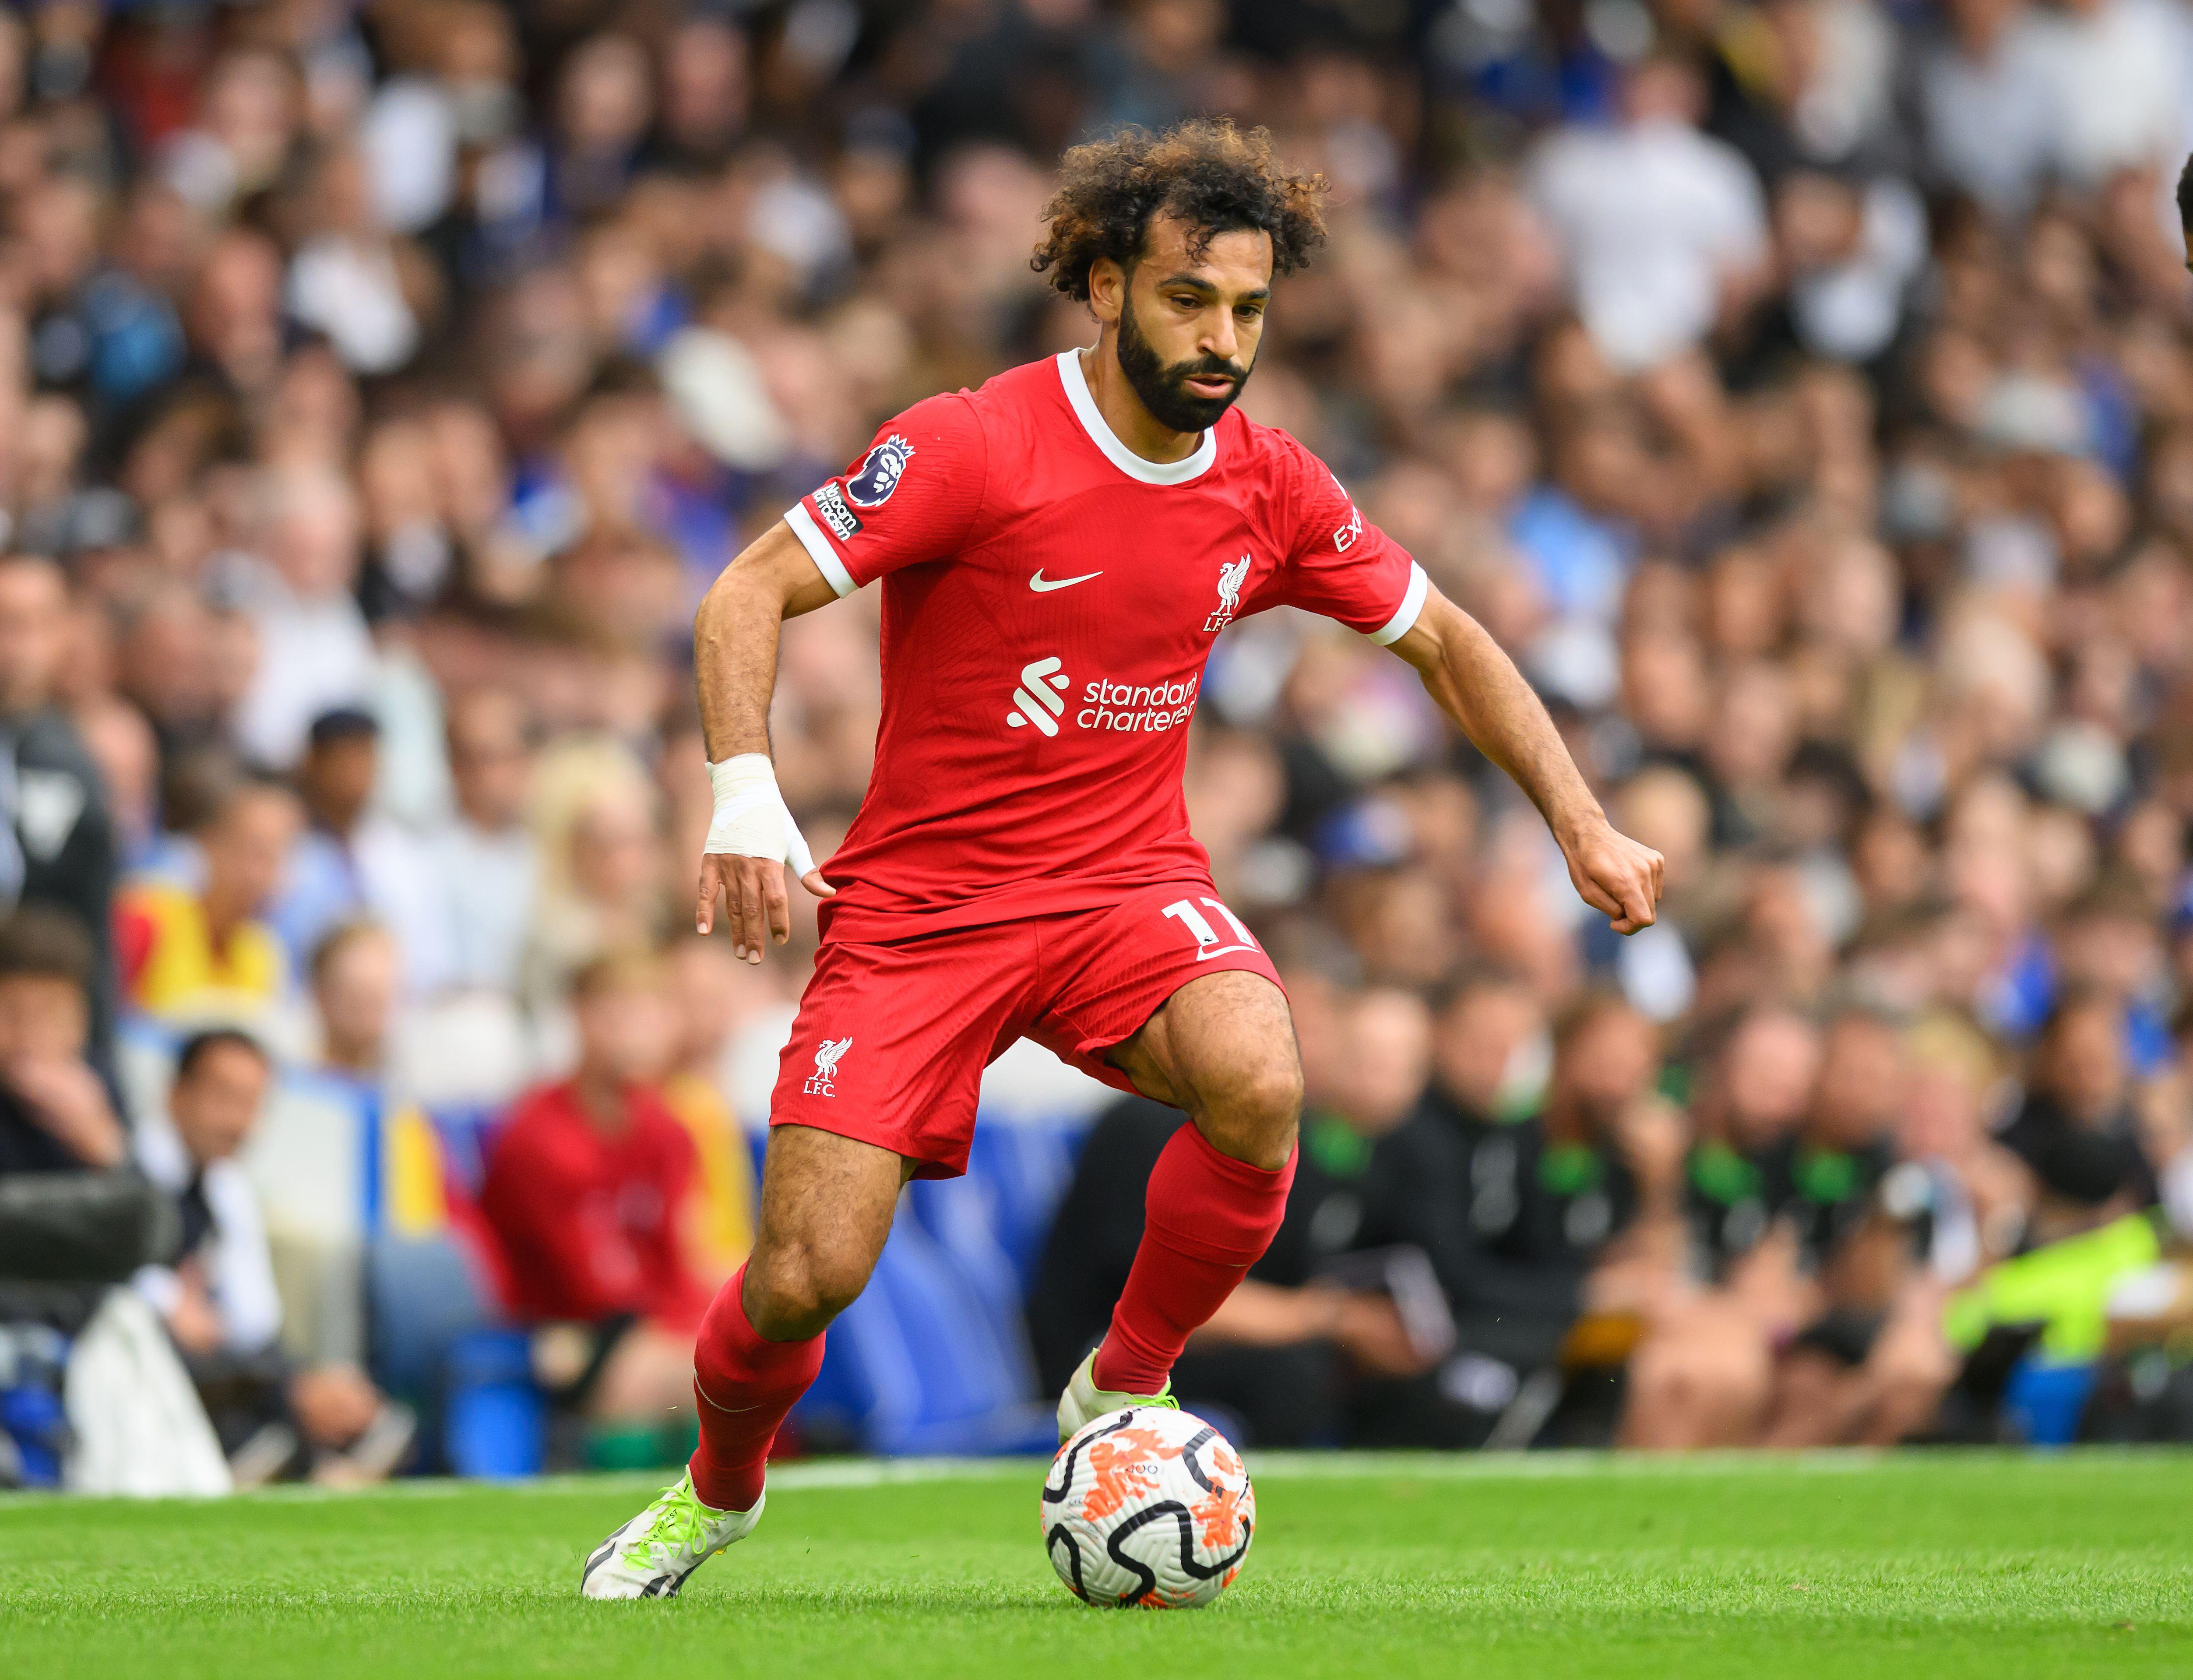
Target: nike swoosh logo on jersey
column 1043, row 586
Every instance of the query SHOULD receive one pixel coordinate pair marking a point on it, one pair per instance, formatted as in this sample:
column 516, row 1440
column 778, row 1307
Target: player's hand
column 751, row 838
column 1614, row 874
column 756, row 904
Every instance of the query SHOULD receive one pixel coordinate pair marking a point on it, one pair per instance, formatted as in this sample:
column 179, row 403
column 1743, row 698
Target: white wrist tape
column 750, row 818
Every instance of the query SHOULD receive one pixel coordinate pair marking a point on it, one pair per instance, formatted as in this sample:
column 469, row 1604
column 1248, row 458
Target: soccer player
column 1057, row 551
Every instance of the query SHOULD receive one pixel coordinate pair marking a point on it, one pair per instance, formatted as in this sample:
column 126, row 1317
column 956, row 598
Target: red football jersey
column 590, row 1220
column 1049, row 601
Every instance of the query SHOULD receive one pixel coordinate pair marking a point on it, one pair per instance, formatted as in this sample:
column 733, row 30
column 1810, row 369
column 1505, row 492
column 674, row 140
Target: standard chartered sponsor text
column 1125, row 708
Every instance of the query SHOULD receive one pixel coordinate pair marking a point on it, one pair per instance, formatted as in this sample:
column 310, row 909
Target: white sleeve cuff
column 819, row 549
column 1405, row 615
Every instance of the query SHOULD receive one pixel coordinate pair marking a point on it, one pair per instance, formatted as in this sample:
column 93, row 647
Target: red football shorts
column 892, row 1038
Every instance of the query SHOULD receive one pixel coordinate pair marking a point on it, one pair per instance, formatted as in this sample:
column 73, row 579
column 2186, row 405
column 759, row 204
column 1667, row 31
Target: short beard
column 1162, row 386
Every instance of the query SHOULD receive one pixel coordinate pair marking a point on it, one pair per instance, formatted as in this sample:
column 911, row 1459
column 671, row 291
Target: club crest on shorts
column 827, row 1057
column 1230, row 579
column 881, row 469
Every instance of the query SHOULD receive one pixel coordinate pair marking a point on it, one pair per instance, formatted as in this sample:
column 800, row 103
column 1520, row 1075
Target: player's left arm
column 1478, row 685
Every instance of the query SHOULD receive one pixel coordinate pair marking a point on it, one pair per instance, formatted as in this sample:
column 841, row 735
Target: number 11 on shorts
column 1208, row 942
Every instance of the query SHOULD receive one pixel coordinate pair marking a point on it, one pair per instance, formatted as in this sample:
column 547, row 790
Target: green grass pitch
column 1985, row 1565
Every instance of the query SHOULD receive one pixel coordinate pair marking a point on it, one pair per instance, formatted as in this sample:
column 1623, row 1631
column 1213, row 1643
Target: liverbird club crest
column 827, row 1057
column 1230, row 579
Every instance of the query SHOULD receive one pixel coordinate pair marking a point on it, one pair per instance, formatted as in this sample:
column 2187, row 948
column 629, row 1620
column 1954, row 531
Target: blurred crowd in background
column 1801, row 392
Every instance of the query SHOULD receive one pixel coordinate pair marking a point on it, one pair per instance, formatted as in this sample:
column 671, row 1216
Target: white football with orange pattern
column 1149, row 1507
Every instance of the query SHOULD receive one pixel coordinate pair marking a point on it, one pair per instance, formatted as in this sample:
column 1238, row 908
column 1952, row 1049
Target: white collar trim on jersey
column 1190, row 466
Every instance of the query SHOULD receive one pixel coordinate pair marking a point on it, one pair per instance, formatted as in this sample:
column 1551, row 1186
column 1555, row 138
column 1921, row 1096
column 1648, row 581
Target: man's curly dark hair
column 1206, row 172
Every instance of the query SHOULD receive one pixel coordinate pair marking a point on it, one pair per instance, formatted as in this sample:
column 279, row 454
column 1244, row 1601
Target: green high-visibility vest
column 2065, row 1286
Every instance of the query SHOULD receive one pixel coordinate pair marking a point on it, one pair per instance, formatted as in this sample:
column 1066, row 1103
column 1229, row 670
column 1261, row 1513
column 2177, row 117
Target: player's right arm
column 751, row 834
column 912, row 497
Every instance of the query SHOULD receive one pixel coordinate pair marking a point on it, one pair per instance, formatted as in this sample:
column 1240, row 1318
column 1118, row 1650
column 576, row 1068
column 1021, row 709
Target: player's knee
column 1253, row 1119
column 793, row 1291
column 1275, row 1097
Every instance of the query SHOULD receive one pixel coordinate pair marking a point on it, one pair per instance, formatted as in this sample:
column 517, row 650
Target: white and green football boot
column 651, row 1556
column 1084, row 1403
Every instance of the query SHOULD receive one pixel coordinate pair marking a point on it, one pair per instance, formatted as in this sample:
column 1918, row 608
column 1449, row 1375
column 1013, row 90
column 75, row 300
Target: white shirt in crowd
column 1651, row 218
column 2114, row 71
column 483, row 885
column 390, row 874
column 315, row 655
column 239, row 1265
column 1986, row 117
column 2066, row 93
column 352, row 292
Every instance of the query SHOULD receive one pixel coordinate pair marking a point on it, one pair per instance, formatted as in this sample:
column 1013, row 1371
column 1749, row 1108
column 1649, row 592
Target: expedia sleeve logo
column 881, row 471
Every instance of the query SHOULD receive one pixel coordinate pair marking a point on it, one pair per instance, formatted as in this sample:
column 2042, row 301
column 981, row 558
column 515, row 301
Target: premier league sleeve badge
column 880, row 470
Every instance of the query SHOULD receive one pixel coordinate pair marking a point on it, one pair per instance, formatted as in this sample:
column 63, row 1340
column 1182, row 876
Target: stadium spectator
column 482, row 862
column 1751, row 1100
column 190, row 954
column 1565, row 1229
column 1872, row 1364
column 602, row 885
column 379, row 1244
column 1984, row 104
column 1703, row 1371
column 352, row 861
column 1662, row 227
column 2080, row 1085
column 2061, row 1295
column 77, row 1219
column 1491, row 1050
column 58, row 1116
column 592, row 1190
column 1824, row 1176
column 357, row 981
column 57, row 848
column 219, row 1297
column 314, row 653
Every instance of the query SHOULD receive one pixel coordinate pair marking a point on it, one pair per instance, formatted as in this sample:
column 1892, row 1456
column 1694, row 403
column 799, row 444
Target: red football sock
column 744, row 1385
column 1207, row 1218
